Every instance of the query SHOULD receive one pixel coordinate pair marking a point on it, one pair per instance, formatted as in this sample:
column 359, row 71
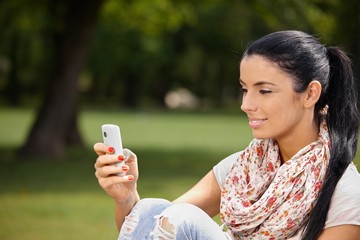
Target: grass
column 60, row 198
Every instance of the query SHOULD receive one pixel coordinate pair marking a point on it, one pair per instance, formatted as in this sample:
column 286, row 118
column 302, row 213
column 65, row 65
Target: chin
column 261, row 135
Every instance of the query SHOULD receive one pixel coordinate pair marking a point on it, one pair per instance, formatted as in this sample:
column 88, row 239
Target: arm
column 205, row 195
column 123, row 209
column 122, row 189
column 343, row 232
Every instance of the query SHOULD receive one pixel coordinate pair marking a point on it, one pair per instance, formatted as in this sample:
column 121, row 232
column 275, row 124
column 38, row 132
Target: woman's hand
column 122, row 189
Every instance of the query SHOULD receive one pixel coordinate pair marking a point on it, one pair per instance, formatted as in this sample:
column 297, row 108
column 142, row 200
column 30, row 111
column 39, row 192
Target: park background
column 166, row 71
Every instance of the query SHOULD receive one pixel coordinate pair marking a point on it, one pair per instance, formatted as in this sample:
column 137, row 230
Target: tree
column 143, row 49
column 21, row 23
column 71, row 26
column 347, row 29
column 336, row 22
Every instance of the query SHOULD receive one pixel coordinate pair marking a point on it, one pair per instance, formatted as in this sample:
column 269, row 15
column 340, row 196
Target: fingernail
column 130, row 178
column 124, row 168
column 111, row 149
column 121, row 158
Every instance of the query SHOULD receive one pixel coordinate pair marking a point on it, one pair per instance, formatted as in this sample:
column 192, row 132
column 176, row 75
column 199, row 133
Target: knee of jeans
column 144, row 207
column 150, row 203
column 173, row 218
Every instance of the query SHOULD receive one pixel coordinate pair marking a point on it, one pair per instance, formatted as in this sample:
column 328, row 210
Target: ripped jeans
column 187, row 221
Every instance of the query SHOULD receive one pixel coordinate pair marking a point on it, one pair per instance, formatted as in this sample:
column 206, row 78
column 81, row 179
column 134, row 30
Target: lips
column 256, row 122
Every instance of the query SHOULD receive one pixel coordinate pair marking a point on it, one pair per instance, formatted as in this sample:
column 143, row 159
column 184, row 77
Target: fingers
column 104, row 160
column 112, row 180
column 101, row 149
column 107, row 172
column 105, row 165
column 129, row 155
column 109, row 175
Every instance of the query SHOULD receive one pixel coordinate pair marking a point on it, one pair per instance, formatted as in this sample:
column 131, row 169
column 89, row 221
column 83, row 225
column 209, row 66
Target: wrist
column 130, row 201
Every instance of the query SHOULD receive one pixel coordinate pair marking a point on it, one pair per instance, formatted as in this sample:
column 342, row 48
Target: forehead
column 256, row 68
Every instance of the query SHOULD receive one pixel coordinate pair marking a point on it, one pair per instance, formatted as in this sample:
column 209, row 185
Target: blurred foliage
column 22, row 49
column 143, row 49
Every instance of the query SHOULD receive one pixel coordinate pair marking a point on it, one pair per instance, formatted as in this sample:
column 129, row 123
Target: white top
column 345, row 203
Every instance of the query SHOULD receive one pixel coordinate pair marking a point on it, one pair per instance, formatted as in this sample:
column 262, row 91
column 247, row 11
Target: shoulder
column 345, row 203
column 222, row 168
column 343, row 232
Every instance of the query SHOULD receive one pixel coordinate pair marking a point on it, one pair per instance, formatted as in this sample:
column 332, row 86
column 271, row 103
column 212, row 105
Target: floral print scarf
column 262, row 199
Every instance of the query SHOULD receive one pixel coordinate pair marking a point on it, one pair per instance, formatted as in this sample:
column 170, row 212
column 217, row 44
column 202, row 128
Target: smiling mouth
column 255, row 123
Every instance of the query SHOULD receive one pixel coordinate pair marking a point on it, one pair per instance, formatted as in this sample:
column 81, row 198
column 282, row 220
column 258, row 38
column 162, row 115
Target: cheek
column 287, row 115
column 274, row 108
column 282, row 110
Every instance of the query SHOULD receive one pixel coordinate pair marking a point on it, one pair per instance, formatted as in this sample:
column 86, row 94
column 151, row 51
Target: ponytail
column 343, row 122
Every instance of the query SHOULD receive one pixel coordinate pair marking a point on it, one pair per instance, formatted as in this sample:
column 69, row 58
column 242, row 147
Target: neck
column 290, row 145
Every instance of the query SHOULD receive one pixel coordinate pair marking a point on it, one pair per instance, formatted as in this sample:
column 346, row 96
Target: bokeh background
column 166, row 71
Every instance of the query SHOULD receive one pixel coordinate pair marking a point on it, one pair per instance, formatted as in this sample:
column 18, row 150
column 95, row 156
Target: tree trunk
column 13, row 88
column 347, row 31
column 56, row 123
column 131, row 95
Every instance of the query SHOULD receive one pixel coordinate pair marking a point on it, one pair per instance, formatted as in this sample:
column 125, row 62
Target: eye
column 243, row 90
column 265, row 91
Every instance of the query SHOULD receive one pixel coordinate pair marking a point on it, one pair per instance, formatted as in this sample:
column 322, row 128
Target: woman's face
column 274, row 109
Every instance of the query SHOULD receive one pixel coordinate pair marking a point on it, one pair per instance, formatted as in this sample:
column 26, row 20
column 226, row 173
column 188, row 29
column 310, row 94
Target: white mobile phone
column 112, row 137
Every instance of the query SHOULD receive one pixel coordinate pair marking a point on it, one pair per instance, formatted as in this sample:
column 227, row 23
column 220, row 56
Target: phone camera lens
column 105, row 135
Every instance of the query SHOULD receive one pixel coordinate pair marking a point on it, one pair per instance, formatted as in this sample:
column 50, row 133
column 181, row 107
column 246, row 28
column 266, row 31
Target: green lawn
column 60, row 199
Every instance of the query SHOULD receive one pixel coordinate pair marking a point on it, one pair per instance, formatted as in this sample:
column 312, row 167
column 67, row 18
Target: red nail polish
column 130, row 178
column 111, row 149
column 121, row 158
column 124, row 168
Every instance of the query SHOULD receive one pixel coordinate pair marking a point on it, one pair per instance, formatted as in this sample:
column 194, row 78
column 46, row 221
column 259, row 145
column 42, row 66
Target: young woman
column 296, row 178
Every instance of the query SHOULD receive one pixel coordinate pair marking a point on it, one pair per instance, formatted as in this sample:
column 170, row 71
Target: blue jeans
column 188, row 221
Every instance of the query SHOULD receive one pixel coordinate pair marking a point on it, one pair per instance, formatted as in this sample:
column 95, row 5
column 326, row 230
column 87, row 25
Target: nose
column 248, row 103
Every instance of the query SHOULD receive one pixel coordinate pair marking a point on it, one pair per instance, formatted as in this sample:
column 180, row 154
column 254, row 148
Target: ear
column 313, row 93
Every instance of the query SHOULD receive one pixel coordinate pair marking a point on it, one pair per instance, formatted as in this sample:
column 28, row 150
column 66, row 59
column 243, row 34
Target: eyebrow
column 260, row 83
